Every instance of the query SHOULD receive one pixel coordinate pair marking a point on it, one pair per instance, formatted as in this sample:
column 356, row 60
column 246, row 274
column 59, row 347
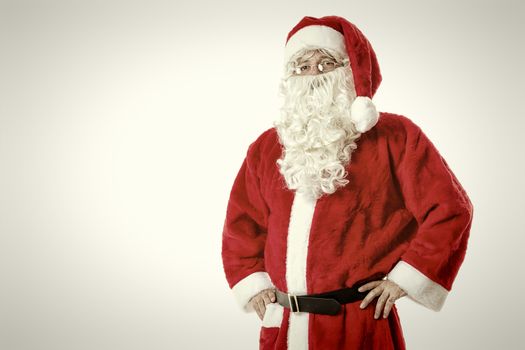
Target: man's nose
column 314, row 70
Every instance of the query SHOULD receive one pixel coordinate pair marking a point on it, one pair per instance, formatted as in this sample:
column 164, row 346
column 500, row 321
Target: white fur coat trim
column 273, row 316
column 296, row 254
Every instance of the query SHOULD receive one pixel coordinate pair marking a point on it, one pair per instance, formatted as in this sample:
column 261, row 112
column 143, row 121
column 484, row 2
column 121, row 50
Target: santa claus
column 338, row 210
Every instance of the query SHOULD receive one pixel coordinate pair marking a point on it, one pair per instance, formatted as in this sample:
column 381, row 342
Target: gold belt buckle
column 290, row 296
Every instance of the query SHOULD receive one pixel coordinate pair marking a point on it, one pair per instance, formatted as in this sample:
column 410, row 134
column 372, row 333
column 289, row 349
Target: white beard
column 316, row 131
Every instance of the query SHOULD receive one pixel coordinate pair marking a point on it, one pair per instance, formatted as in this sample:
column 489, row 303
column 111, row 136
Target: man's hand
column 388, row 293
column 259, row 301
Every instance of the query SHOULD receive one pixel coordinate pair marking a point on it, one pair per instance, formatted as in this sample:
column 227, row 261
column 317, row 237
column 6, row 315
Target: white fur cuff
column 418, row 287
column 250, row 286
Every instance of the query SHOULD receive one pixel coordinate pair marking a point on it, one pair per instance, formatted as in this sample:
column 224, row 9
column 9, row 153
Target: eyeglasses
column 325, row 66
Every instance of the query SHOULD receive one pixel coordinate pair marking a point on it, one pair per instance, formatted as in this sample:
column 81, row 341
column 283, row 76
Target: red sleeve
column 244, row 231
column 443, row 211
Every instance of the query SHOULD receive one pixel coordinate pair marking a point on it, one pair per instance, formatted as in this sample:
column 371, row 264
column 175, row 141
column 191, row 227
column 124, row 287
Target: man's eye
column 329, row 63
column 303, row 68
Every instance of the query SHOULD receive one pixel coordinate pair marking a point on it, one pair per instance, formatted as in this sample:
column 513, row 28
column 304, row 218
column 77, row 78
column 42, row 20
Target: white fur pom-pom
column 363, row 113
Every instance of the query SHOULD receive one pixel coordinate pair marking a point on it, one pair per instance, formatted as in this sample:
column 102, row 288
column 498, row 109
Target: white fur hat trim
column 315, row 36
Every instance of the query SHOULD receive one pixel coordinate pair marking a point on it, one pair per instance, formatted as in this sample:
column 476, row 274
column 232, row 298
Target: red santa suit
column 402, row 216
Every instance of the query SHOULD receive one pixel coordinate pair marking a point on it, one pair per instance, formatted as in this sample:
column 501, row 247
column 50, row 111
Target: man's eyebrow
column 302, row 60
column 327, row 56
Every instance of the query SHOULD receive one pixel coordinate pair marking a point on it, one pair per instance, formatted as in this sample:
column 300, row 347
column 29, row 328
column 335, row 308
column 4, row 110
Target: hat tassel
column 364, row 114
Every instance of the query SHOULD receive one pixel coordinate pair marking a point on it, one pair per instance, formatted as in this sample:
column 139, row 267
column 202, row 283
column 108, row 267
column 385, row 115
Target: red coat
column 403, row 215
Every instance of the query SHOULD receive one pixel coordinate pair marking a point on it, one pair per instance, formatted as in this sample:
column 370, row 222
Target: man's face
column 315, row 63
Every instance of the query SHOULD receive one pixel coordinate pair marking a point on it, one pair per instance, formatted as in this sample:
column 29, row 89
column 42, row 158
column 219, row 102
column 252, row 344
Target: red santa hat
column 338, row 34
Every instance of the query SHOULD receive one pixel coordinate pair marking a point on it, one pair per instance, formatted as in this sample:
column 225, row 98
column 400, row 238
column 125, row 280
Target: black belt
column 328, row 303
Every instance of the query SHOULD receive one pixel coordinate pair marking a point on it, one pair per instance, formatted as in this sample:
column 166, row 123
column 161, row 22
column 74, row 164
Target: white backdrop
column 123, row 124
